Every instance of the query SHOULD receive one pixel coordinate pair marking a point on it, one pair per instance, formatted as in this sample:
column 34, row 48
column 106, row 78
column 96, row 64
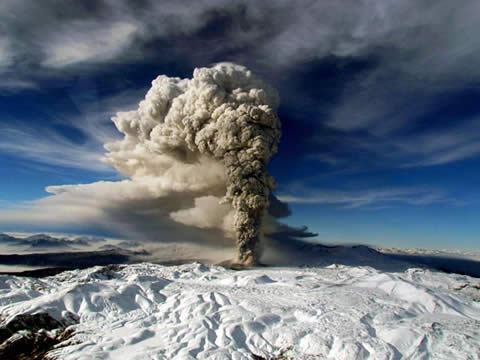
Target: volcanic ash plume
column 223, row 116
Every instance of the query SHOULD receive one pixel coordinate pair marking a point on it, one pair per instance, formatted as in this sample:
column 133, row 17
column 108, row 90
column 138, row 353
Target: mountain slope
column 147, row 311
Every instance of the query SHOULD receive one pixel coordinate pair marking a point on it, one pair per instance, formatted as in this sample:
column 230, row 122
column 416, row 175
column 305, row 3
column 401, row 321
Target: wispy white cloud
column 83, row 42
column 443, row 146
column 424, row 147
column 418, row 50
column 318, row 29
column 45, row 38
column 94, row 112
column 328, row 158
column 17, row 84
column 371, row 198
column 461, row 152
column 49, row 147
column 47, row 144
column 6, row 55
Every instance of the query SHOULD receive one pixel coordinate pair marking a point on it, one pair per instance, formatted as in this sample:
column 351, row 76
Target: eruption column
column 224, row 115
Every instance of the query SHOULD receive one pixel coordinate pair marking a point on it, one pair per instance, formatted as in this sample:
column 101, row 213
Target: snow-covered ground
column 147, row 311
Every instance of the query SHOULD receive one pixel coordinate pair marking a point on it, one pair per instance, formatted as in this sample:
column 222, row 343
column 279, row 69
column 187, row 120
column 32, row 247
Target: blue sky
column 379, row 103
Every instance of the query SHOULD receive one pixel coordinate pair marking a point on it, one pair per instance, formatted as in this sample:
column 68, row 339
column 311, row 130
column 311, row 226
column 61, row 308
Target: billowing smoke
column 213, row 134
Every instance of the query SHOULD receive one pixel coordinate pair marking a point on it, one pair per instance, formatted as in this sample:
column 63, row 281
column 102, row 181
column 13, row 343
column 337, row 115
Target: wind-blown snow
column 147, row 311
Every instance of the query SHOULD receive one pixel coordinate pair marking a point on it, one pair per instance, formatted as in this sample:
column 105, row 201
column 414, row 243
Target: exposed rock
column 31, row 336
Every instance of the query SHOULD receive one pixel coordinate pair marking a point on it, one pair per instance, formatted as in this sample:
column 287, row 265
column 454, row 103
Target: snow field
column 147, row 311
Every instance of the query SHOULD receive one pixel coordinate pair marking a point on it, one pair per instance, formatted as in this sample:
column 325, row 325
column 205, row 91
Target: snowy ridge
column 147, row 311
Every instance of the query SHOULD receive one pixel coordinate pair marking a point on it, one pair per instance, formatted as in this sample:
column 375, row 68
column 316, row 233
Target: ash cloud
column 222, row 120
column 194, row 153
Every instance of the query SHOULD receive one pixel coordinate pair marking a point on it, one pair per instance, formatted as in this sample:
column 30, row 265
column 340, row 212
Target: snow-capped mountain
column 45, row 241
column 147, row 311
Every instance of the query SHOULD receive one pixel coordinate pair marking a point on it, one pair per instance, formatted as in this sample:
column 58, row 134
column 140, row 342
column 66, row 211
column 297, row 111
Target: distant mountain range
column 41, row 250
column 43, row 241
column 73, row 260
